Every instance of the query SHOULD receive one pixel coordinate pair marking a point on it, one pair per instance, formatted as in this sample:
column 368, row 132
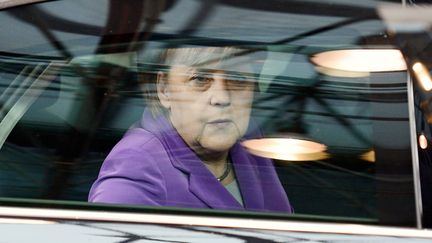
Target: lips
column 220, row 121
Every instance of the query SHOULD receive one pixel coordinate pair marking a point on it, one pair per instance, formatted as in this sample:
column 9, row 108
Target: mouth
column 219, row 121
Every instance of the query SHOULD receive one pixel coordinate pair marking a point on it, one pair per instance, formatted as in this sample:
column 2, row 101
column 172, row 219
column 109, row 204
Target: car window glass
column 163, row 92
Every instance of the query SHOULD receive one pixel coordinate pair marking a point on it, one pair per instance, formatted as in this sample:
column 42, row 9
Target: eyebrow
column 228, row 74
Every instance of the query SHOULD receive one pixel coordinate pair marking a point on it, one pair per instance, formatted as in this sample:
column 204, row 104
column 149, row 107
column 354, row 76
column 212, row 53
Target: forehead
column 217, row 58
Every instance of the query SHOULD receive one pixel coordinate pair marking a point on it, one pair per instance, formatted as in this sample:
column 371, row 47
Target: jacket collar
column 202, row 182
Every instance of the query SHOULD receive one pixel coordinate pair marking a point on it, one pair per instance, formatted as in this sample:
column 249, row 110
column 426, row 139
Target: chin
column 218, row 145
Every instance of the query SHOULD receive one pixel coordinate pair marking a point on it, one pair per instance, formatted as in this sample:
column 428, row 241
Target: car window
column 205, row 105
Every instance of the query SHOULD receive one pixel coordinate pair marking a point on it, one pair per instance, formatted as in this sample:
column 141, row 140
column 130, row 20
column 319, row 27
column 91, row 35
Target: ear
column 162, row 90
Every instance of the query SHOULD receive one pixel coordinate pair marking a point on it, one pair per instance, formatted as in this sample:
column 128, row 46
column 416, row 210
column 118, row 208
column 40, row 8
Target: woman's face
column 209, row 111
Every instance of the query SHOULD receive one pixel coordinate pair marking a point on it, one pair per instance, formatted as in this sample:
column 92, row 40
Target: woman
column 186, row 151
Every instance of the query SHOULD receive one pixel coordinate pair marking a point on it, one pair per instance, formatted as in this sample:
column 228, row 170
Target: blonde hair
column 190, row 56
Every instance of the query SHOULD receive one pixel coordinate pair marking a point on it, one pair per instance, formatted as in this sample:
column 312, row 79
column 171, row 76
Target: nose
column 220, row 95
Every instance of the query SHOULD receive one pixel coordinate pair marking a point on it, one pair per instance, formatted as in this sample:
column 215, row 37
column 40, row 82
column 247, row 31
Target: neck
column 215, row 162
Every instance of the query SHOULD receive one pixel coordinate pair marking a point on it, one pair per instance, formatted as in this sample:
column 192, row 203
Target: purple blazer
column 152, row 165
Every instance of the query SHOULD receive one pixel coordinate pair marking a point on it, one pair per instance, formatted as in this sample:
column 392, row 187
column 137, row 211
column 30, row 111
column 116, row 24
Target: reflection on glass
column 265, row 85
column 423, row 141
column 340, row 73
column 361, row 60
column 369, row 156
column 289, row 149
column 422, row 74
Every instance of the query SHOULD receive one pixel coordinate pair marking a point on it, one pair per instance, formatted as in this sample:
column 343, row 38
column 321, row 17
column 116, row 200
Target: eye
column 240, row 82
column 200, row 80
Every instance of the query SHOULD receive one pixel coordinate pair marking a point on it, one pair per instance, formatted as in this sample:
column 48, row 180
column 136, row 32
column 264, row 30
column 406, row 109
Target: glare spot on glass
column 290, row 149
column 369, row 156
column 422, row 75
column 423, row 141
column 361, row 60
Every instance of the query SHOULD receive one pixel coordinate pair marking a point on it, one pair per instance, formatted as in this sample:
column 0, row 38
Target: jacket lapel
column 246, row 170
column 209, row 190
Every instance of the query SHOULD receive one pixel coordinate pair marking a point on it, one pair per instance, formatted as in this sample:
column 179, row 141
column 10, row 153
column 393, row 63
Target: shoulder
column 138, row 139
column 131, row 172
column 137, row 152
column 136, row 143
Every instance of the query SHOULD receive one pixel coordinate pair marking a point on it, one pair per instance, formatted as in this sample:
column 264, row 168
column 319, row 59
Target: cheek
column 244, row 100
column 242, row 110
column 181, row 102
column 243, row 120
column 186, row 117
